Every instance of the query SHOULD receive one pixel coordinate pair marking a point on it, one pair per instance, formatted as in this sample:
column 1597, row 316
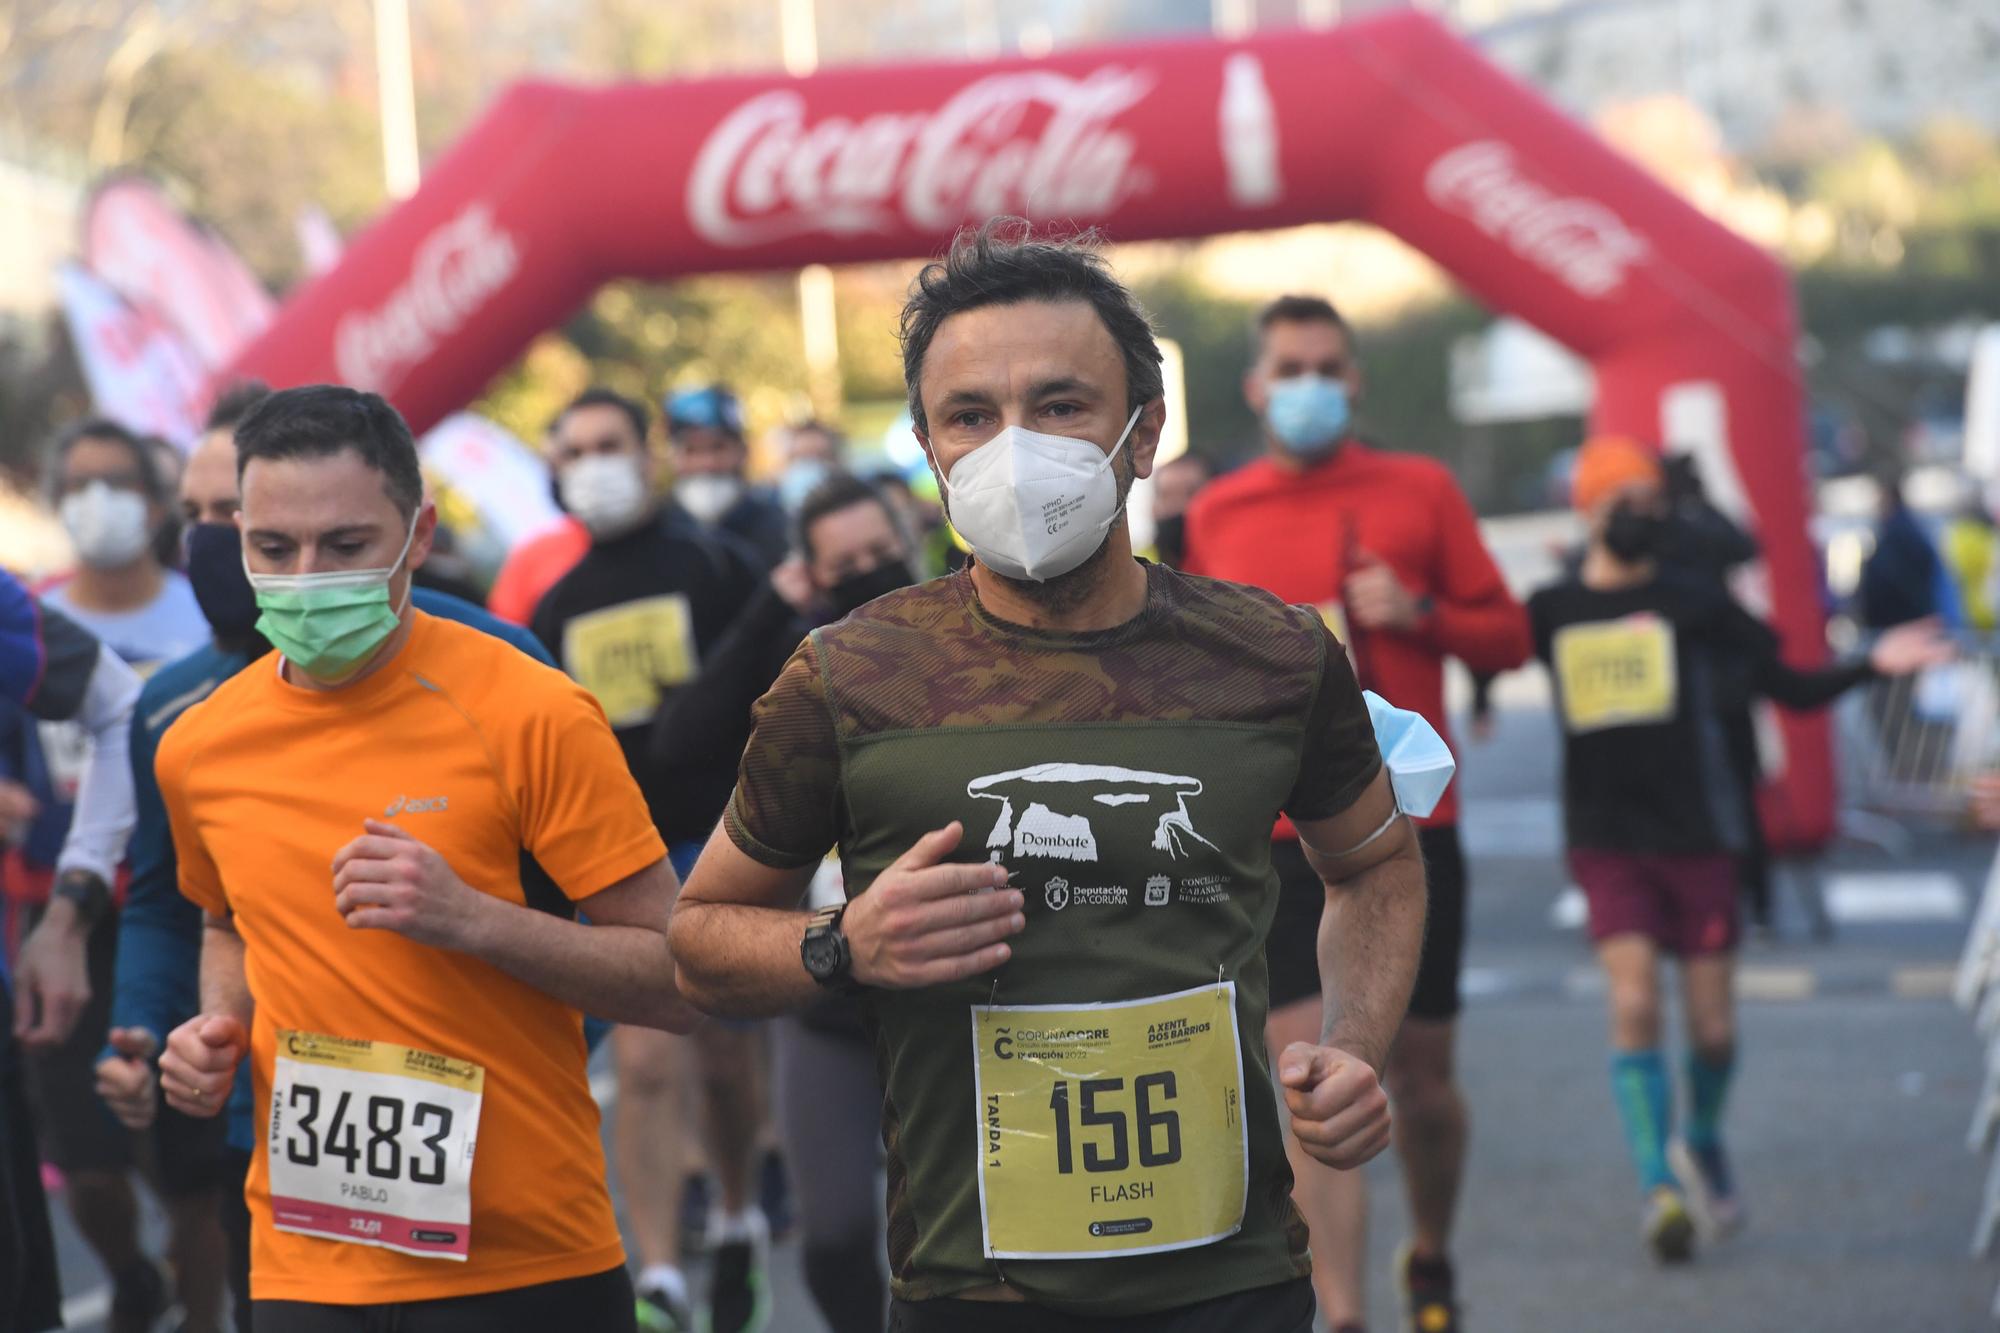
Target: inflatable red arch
column 1392, row 120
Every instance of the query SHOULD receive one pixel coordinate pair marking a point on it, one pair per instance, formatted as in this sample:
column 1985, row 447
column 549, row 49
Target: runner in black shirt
column 633, row 623
column 1654, row 815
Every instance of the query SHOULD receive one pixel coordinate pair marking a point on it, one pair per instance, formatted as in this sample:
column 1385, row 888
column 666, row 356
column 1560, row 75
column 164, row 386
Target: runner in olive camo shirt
column 1052, row 779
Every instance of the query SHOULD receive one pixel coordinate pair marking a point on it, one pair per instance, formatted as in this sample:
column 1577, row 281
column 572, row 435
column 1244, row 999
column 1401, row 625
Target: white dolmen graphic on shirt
column 1070, row 812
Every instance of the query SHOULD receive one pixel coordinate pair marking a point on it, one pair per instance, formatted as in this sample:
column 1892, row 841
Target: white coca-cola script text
column 765, row 173
column 1579, row 241
column 455, row 271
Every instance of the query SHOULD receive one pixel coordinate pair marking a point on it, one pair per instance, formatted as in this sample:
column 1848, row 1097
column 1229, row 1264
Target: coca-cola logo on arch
column 1036, row 143
column 1577, row 240
column 455, row 271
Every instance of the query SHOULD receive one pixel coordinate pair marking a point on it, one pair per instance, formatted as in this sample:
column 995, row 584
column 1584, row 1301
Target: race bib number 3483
column 1110, row 1128
column 372, row 1144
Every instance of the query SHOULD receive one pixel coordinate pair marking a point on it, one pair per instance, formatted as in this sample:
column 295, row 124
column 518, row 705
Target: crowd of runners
column 1044, row 931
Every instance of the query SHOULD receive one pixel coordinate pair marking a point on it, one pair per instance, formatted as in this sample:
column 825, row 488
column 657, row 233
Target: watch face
column 822, row 955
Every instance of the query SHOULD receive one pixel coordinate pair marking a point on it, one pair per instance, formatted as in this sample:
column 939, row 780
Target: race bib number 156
column 1110, row 1128
column 372, row 1144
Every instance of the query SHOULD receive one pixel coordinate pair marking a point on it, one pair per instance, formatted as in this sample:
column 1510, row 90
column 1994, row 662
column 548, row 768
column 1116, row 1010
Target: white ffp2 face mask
column 1035, row 506
column 107, row 524
column 605, row 492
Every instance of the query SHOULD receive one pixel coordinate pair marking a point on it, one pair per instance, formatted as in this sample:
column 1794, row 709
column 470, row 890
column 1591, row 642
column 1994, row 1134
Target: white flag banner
column 141, row 372
column 491, row 488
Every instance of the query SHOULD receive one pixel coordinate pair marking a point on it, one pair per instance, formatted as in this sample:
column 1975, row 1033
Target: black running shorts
column 1293, row 947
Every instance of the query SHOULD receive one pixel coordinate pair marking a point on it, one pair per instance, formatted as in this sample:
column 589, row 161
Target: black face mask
column 1633, row 536
column 215, row 568
column 857, row 590
column 1170, row 539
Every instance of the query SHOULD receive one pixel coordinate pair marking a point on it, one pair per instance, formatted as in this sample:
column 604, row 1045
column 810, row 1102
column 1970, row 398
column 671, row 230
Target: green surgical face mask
column 327, row 625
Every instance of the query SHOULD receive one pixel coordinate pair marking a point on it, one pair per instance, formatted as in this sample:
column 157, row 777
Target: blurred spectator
column 852, row 550
column 809, row 453
column 170, row 462
column 632, row 623
column 922, row 517
column 1902, row 577
column 55, row 672
column 1969, row 548
column 534, row 565
column 1175, row 483
column 705, row 429
column 107, row 485
column 1700, row 539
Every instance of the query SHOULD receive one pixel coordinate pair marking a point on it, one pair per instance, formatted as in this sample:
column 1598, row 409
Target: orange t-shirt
column 483, row 754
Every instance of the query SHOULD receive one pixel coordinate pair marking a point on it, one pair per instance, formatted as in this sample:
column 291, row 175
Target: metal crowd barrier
column 1911, row 747
column 1976, row 991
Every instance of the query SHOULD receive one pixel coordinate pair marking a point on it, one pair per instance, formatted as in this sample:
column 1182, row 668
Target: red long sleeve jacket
column 1299, row 534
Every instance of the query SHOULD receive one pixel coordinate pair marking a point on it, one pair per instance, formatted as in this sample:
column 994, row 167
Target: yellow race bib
column 628, row 655
column 1616, row 673
column 1110, row 1129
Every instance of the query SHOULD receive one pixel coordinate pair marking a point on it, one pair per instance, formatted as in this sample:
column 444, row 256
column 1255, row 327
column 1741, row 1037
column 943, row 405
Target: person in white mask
column 633, row 623
column 1051, row 778
column 711, row 458
column 105, row 484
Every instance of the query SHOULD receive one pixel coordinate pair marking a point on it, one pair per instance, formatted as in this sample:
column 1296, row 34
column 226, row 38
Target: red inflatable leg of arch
column 1391, row 120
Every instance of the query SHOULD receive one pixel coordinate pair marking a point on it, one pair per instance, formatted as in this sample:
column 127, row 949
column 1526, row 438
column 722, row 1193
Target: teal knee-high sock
column 1645, row 1105
column 1708, row 1076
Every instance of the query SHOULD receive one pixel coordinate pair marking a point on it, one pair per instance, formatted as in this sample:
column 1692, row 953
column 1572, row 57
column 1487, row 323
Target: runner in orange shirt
column 391, row 831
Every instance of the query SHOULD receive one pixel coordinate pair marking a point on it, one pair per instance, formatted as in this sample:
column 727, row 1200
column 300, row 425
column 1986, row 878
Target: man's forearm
column 622, row 974
column 1370, row 937
column 225, row 987
column 738, row 961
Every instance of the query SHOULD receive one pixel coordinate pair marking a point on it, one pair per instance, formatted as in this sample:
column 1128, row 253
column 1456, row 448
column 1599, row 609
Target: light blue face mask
column 1419, row 762
column 800, row 479
column 1308, row 414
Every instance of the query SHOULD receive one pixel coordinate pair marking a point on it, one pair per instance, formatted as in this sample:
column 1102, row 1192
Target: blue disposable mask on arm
column 1419, row 762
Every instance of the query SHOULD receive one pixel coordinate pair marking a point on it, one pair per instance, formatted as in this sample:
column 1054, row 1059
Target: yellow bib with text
column 1110, row 1129
column 1616, row 673
column 628, row 655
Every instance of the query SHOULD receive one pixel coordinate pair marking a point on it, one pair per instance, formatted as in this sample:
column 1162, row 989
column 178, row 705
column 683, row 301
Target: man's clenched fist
column 1340, row 1114
column 199, row 1067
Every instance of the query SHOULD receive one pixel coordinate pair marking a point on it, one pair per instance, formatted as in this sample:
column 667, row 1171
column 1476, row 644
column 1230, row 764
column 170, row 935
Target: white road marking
column 1896, row 895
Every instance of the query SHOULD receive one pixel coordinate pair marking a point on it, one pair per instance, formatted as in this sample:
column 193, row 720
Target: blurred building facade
column 1886, row 66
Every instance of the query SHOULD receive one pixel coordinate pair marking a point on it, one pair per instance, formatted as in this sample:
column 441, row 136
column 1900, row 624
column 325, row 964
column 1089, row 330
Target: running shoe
column 1668, row 1229
column 774, row 1193
column 139, row 1296
column 660, row 1312
column 1429, row 1290
column 1711, row 1187
column 739, row 1289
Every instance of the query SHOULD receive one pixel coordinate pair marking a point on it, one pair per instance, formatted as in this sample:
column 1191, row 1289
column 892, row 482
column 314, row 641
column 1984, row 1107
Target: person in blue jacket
column 57, row 672
column 159, row 935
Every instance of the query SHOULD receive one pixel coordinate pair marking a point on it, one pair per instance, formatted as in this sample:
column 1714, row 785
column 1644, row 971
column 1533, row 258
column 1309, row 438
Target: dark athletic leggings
column 599, row 1302
column 830, row 1116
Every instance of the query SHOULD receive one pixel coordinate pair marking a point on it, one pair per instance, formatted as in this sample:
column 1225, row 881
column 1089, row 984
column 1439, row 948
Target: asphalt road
column 1847, row 1122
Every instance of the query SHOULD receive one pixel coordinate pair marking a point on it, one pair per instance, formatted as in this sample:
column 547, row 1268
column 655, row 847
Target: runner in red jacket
column 1385, row 545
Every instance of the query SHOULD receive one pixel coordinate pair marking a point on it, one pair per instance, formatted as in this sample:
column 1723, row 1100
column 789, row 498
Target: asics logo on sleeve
column 403, row 805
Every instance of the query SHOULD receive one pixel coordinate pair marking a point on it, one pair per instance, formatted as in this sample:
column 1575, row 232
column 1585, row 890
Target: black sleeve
column 1743, row 633
column 547, row 625
column 1538, row 622
column 709, row 717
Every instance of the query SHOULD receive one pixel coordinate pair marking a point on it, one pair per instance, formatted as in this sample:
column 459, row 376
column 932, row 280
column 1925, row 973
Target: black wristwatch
column 825, row 953
column 87, row 891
